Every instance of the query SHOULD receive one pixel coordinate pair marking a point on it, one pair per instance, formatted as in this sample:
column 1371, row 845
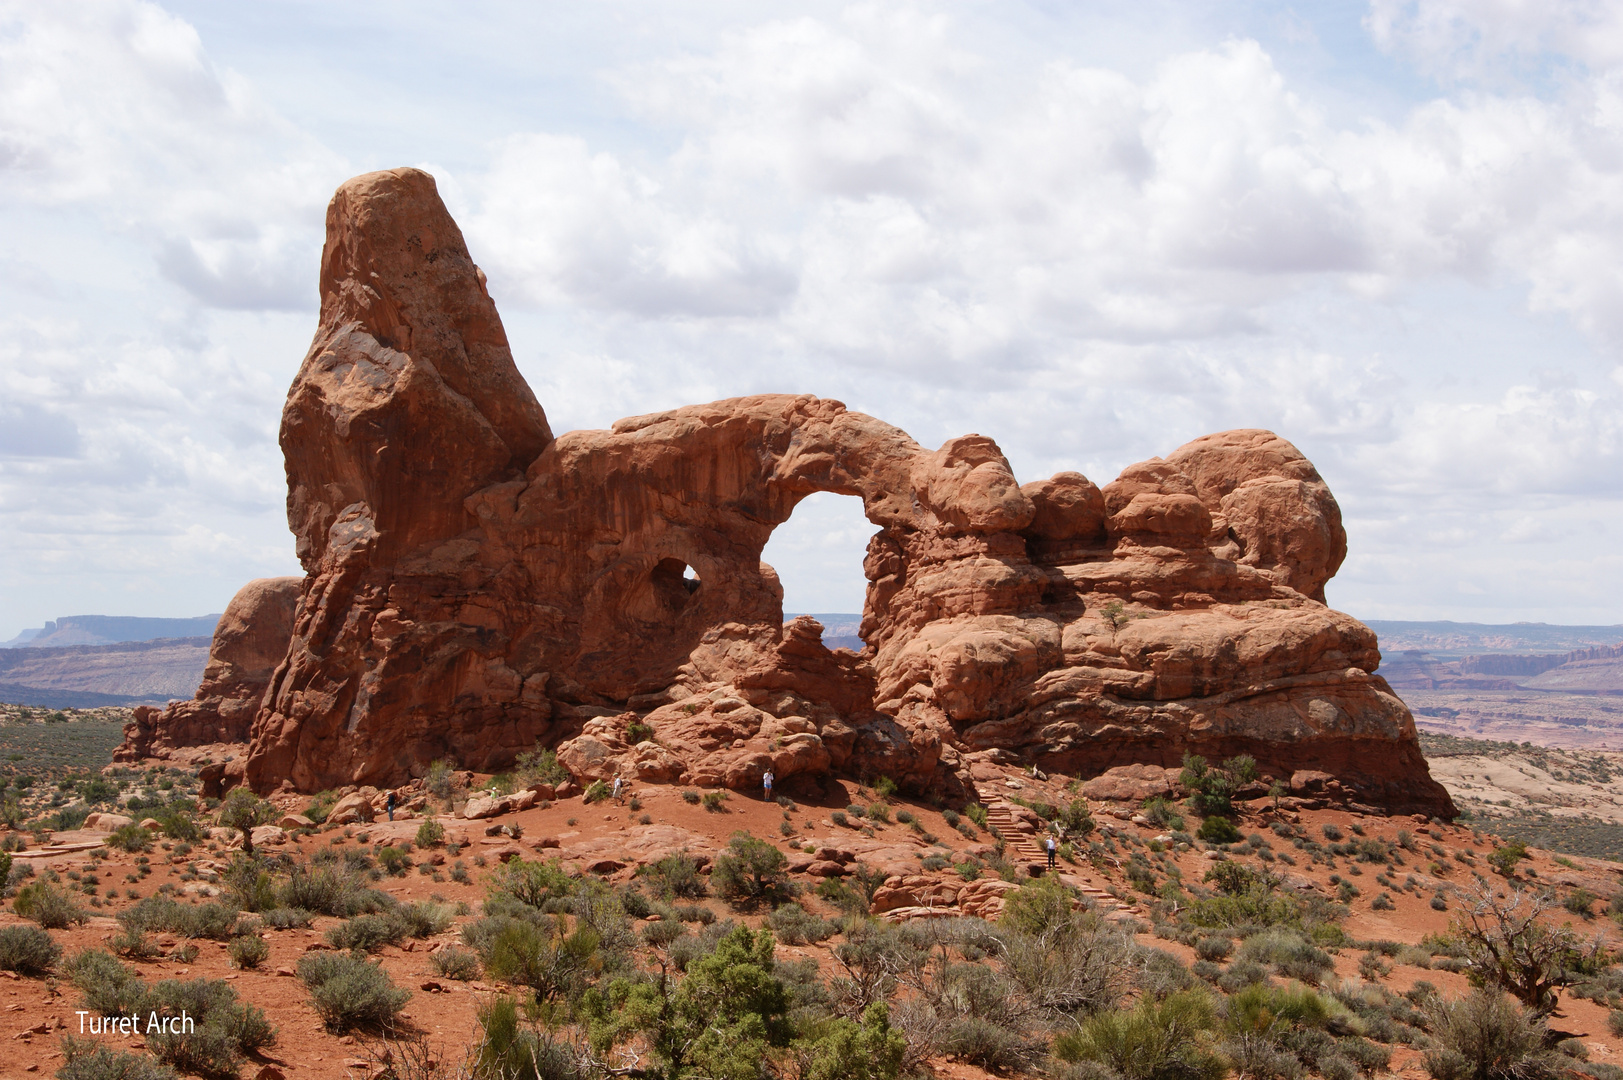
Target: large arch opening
column 818, row 555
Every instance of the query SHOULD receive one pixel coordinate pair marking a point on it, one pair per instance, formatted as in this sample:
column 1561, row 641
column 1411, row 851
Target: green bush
column 285, row 918
column 1290, row 954
column 216, row 919
column 713, row 800
column 393, row 861
column 540, row 766
column 596, row 791
column 1486, row 1036
column 224, row 1031
column 690, row 797
column 49, row 906
column 531, row 883
column 131, row 838
column 1504, row 859
column 751, row 872
column 677, row 876
column 27, row 950
column 1036, row 906
column 538, row 955
column 838, row 1049
column 794, row 925
column 327, row 890
column 91, row 1059
column 430, row 833
column 1218, row 830
column 109, row 987
column 351, row 992
column 1214, row 948
column 243, row 810
column 367, row 932
column 249, row 951
column 455, row 962
column 1170, row 1039
column 508, row 1050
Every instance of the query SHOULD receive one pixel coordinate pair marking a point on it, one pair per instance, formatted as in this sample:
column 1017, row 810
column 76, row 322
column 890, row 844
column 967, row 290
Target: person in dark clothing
column 389, row 805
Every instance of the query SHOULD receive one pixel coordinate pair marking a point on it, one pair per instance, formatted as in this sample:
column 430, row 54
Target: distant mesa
column 109, row 630
column 475, row 584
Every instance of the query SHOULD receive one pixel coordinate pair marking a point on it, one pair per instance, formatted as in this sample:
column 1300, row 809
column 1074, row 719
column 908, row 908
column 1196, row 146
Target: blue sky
column 1390, row 231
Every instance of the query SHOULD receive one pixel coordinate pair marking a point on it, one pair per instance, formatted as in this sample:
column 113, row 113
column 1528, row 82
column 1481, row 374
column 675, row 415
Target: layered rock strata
column 250, row 639
column 476, row 586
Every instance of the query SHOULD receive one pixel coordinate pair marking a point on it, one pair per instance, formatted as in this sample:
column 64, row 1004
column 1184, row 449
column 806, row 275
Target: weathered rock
column 1129, row 783
column 103, row 821
column 474, row 586
column 249, row 641
column 296, row 821
column 350, row 809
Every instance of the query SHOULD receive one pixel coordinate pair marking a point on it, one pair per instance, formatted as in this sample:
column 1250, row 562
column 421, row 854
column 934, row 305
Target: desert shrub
column 1579, row 901
column 1383, row 902
column 596, row 791
column 327, row 890
column 27, row 950
column 794, row 925
column 1214, row 948
column 540, row 766
column 249, row 951
column 663, row 932
column 695, row 913
column 751, row 872
column 350, row 991
column 285, row 918
column 1504, row 859
column 690, row 797
column 91, row 1059
column 108, row 986
column 430, row 833
column 455, row 962
column 1163, row 813
column 531, row 883
column 393, row 861
column 252, row 887
column 440, row 779
column 1290, row 953
column 713, row 800
column 838, row 1049
column 1169, row 1039
column 131, row 838
column 1485, row 1036
column 367, row 932
column 158, row 913
column 539, row 955
column 1508, row 944
column 422, row 918
column 243, row 810
column 49, row 906
column 879, row 812
column 1218, row 830
column 1037, row 906
column 677, row 876
column 838, row 818
column 1332, row 832
column 510, row 1050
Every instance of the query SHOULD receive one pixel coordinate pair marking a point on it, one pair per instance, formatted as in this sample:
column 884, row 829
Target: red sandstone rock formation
column 250, row 640
column 476, row 586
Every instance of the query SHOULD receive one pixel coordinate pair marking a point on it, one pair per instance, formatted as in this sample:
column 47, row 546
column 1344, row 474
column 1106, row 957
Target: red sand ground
column 305, row 1049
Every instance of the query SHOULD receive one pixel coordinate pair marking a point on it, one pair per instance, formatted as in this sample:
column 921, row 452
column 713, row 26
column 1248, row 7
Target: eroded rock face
column 251, row 639
column 476, row 586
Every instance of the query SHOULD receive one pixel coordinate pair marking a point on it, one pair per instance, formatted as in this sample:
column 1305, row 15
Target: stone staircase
column 1021, row 846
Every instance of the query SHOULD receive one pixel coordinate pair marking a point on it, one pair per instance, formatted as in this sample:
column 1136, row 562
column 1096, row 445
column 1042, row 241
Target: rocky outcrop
column 476, row 586
column 250, row 639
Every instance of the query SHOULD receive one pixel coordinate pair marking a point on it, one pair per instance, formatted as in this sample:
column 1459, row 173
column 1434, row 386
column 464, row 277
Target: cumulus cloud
column 1090, row 260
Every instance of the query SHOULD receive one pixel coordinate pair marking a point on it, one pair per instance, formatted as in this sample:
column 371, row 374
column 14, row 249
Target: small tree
column 752, row 871
column 244, row 810
column 1504, row 859
column 1511, row 947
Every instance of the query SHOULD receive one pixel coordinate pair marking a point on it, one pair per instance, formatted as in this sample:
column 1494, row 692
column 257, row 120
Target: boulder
column 1129, row 783
column 106, row 822
column 296, row 821
column 350, row 809
column 269, row 834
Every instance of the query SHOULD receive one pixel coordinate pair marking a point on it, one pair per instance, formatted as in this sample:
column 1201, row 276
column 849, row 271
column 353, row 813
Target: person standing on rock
column 766, row 785
column 389, row 805
column 619, row 786
column 1053, row 849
